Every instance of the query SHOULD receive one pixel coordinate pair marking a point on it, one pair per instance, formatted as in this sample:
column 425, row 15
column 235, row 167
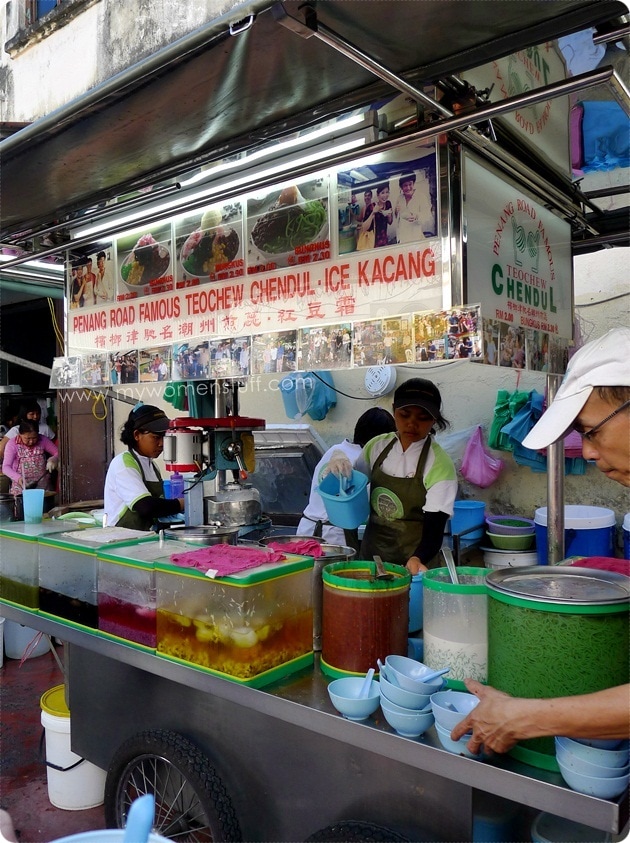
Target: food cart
column 279, row 763
column 209, row 271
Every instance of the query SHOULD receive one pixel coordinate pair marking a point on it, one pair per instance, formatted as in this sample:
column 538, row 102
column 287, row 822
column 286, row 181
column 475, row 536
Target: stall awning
column 231, row 85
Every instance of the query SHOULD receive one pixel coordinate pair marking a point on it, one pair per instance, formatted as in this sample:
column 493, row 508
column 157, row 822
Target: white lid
column 580, row 517
column 626, row 521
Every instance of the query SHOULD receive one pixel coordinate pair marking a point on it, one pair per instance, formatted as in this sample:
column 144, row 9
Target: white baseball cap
column 601, row 362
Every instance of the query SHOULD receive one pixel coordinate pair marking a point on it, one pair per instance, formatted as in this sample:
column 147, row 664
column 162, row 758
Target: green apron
column 394, row 528
column 132, row 520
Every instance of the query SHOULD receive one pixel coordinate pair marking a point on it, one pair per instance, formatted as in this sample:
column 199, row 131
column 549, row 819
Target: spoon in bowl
column 367, row 684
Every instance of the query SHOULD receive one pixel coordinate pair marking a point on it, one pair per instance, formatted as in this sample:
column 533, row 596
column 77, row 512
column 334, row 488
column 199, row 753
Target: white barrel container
column 74, row 784
column 494, row 558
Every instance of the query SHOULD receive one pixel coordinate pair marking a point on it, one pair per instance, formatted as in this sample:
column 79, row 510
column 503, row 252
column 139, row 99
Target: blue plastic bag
column 309, row 393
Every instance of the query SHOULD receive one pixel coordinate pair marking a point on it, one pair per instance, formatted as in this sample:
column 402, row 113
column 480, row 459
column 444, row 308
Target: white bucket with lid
column 74, row 784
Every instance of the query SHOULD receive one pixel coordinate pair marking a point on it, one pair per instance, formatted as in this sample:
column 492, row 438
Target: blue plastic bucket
column 588, row 531
column 350, row 509
column 626, row 536
column 415, row 603
column 468, row 514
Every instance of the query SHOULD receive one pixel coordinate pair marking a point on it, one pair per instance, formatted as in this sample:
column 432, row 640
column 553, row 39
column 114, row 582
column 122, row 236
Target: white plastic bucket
column 19, row 640
column 588, row 531
column 74, row 784
column 496, row 559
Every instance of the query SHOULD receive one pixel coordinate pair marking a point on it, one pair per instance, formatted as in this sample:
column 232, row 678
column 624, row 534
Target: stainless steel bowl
column 206, row 534
column 232, row 513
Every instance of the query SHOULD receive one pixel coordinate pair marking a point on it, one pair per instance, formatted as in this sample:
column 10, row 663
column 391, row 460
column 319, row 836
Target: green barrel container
column 556, row 632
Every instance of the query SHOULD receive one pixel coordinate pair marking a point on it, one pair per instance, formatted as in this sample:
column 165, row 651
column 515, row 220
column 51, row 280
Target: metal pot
column 291, row 538
column 233, row 506
column 6, row 507
column 206, row 534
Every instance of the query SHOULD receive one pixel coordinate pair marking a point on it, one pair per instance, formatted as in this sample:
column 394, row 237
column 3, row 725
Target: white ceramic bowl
column 615, row 758
column 456, row 747
column 588, row 768
column 408, row 723
column 344, row 695
column 445, row 716
column 400, row 696
column 606, row 788
column 408, row 673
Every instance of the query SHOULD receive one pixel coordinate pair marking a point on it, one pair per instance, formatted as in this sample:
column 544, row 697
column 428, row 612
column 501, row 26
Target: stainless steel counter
column 289, row 739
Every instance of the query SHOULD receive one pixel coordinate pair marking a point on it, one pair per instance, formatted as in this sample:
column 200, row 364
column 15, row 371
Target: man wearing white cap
column 594, row 400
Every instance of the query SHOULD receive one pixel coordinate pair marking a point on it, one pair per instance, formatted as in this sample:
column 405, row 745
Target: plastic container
column 74, row 784
column 177, row 485
column 127, row 598
column 467, row 514
column 346, row 509
column 1, row 641
column 253, row 627
column 33, row 503
column 455, row 629
column 588, row 531
column 567, row 622
column 547, row 828
column 68, row 572
column 19, row 559
column 21, row 641
column 626, row 536
column 364, row 619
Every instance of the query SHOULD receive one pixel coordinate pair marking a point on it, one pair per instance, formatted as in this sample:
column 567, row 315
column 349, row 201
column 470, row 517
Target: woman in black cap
column 134, row 495
column 413, row 483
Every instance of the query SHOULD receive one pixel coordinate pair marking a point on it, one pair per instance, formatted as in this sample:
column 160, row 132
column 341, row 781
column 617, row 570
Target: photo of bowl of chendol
column 210, row 247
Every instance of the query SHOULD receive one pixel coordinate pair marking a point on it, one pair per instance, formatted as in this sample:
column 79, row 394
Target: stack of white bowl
column 596, row 767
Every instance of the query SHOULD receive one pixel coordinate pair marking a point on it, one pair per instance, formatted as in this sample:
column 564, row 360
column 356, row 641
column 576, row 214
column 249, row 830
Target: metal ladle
column 450, row 564
column 381, row 573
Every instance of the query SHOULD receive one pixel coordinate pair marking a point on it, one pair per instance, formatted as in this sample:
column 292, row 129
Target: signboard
column 518, row 254
column 280, row 260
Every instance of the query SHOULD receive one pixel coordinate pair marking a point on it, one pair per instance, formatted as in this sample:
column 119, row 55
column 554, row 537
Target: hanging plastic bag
column 479, row 467
column 310, row 393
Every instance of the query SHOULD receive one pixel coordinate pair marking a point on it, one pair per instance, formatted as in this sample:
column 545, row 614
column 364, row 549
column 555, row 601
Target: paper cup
column 33, row 500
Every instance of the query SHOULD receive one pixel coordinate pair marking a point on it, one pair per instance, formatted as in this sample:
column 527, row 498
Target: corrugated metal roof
column 211, row 92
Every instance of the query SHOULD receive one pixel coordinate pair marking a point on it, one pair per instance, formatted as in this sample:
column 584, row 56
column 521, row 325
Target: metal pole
column 555, row 487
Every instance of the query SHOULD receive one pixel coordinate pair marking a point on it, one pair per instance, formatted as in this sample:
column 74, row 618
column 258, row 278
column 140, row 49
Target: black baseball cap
column 148, row 417
column 418, row 392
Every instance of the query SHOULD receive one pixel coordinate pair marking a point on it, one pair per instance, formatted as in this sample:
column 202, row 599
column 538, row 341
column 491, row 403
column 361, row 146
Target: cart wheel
column 351, row 831
column 191, row 802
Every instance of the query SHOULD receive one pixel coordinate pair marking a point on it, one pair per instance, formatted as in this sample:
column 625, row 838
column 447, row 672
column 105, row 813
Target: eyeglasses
column 589, row 434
